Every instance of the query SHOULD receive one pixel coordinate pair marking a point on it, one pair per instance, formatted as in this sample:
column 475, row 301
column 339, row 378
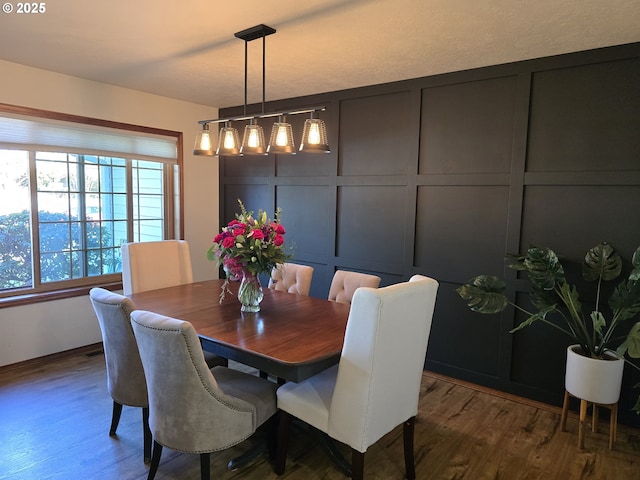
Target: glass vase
column 250, row 292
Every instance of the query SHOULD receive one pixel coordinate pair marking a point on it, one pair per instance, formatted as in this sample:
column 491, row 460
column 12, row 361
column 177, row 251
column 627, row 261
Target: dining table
column 292, row 337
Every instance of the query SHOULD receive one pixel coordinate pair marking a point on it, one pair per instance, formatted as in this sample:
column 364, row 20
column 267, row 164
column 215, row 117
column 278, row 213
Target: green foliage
column 485, row 294
column 552, row 295
column 58, row 261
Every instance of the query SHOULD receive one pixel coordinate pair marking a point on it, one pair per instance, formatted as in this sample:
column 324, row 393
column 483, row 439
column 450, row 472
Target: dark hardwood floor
column 55, row 414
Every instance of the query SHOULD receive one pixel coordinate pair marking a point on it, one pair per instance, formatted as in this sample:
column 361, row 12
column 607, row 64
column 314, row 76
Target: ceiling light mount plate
column 259, row 31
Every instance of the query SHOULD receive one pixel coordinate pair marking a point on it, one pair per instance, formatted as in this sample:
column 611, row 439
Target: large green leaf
column 533, row 318
column 632, row 343
column 515, row 262
column 598, row 322
column 635, row 262
column 544, row 299
column 484, row 294
column 602, row 261
column 544, row 269
column 625, row 300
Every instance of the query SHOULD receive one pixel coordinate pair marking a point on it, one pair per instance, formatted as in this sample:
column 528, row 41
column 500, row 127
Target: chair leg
column 115, row 418
column 272, row 435
column 146, row 435
column 357, row 465
column 205, row 466
column 408, row 430
column 155, row 460
column 284, row 424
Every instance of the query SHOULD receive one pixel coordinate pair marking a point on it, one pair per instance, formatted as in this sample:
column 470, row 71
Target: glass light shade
column 253, row 140
column 314, row 137
column 204, row 142
column 229, row 141
column 281, row 140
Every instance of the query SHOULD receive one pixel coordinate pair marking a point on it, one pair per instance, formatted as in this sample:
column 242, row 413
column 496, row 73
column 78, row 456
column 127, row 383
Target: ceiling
column 187, row 50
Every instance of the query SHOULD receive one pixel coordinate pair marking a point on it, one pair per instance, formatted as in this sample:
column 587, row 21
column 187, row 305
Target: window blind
column 40, row 133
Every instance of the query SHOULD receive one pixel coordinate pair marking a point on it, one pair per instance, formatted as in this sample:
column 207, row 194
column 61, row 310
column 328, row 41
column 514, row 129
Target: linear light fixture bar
column 263, row 115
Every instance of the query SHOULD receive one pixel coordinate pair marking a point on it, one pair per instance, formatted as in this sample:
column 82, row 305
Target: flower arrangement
column 249, row 245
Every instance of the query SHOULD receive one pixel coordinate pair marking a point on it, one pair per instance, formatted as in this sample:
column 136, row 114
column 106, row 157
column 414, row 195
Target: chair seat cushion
column 213, row 360
column 310, row 399
column 257, row 391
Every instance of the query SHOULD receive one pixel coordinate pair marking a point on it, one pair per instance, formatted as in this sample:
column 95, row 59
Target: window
column 65, row 211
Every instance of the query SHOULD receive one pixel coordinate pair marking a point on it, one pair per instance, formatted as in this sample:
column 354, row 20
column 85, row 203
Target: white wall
column 48, row 327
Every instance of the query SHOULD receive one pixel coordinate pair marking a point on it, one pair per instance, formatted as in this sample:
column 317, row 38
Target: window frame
column 81, row 286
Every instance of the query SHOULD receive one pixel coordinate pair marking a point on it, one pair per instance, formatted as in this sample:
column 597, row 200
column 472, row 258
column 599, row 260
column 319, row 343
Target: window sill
column 31, row 298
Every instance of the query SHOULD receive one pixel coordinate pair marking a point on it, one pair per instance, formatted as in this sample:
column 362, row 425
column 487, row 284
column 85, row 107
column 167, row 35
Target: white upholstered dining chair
column 291, row 278
column 344, row 284
column 125, row 375
column 159, row 264
column 152, row 265
column 193, row 409
column 366, row 396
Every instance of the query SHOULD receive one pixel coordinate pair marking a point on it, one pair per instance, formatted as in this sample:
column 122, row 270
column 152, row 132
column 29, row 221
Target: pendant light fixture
column 281, row 141
column 229, row 141
column 314, row 136
column 204, row 142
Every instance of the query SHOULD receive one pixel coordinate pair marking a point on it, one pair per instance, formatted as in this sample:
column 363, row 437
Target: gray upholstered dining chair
column 125, row 375
column 366, row 396
column 344, row 284
column 193, row 409
column 291, row 278
column 159, row 264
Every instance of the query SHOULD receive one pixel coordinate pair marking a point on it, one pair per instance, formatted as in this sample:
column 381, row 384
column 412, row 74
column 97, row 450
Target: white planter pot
column 594, row 380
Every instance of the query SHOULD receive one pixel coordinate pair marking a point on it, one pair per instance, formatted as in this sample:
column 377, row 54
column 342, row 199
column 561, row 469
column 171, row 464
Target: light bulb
column 314, row 134
column 205, row 141
column 229, row 141
column 253, row 138
column 281, row 136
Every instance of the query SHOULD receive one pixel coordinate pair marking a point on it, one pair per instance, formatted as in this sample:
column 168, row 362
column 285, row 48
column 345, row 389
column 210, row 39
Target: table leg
column 247, row 457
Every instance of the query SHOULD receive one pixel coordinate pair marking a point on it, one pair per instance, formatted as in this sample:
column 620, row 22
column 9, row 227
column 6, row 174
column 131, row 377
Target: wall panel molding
column 456, row 171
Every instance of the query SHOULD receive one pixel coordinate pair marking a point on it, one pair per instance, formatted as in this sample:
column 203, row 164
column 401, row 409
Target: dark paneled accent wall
column 444, row 175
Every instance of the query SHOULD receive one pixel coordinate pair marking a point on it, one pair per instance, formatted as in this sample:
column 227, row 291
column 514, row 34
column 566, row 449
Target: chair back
column 152, row 265
column 380, row 369
column 125, row 374
column 291, row 278
column 344, row 284
column 188, row 411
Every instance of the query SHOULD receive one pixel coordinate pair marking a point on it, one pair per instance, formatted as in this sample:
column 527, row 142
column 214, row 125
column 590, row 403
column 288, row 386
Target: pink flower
column 278, row 240
column 257, row 234
column 218, row 237
column 278, row 228
column 228, row 242
column 238, row 229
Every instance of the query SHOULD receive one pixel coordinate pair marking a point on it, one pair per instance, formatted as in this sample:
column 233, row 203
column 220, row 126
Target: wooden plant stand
column 584, row 405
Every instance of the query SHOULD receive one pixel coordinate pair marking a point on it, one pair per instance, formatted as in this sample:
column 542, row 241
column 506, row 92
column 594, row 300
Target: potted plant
column 558, row 305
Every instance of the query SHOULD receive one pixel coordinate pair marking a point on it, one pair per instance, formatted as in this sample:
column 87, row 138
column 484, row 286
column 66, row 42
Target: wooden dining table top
column 292, row 337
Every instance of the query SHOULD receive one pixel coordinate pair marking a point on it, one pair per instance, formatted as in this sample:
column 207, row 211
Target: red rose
column 278, row 240
column 228, row 242
column 279, row 229
column 239, row 229
column 218, row 237
column 257, row 234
